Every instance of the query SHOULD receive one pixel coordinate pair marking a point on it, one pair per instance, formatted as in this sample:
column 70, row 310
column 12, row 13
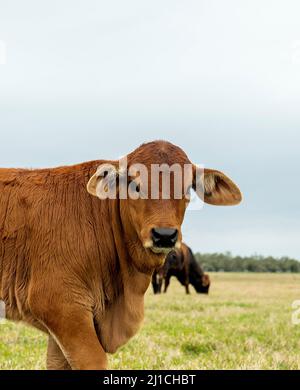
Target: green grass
column 245, row 323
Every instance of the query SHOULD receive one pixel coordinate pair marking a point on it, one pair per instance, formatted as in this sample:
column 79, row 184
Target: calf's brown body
column 75, row 266
column 58, row 256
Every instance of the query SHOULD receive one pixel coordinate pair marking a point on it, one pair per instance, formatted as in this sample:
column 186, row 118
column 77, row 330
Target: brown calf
column 76, row 266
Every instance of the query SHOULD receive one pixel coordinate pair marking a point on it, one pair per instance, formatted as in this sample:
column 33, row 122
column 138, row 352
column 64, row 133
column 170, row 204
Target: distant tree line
column 226, row 262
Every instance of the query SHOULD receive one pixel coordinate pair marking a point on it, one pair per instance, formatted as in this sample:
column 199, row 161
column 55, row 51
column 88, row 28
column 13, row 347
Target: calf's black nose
column 164, row 237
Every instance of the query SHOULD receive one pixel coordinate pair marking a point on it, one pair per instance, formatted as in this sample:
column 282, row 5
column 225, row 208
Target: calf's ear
column 215, row 187
column 103, row 181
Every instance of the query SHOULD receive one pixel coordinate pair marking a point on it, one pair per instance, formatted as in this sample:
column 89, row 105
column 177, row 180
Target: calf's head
column 152, row 186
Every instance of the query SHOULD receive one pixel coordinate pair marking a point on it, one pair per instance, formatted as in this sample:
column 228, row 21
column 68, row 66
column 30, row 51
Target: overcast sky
column 94, row 79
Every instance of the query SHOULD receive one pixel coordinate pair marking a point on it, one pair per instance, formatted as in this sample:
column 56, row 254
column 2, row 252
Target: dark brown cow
column 182, row 264
column 76, row 266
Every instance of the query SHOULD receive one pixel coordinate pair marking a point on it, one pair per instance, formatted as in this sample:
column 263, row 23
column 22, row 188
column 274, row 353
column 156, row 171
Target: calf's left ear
column 216, row 188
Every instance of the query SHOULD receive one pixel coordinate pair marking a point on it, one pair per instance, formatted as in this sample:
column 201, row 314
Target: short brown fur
column 74, row 266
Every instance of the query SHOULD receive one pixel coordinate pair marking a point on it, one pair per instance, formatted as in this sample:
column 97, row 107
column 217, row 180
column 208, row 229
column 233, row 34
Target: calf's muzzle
column 164, row 237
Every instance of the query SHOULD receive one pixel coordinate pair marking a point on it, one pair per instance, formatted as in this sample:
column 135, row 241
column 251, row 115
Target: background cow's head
column 152, row 225
column 201, row 283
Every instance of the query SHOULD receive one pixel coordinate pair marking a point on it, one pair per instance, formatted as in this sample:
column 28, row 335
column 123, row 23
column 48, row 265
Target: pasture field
column 245, row 323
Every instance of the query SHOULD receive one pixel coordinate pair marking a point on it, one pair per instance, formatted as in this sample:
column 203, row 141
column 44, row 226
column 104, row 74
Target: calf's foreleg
column 73, row 336
column 55, row 358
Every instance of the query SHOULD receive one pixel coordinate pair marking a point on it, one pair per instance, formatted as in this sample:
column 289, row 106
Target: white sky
column 94, row 79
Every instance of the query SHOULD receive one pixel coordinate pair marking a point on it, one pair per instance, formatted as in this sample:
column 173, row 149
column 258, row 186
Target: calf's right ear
column 103, row 181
